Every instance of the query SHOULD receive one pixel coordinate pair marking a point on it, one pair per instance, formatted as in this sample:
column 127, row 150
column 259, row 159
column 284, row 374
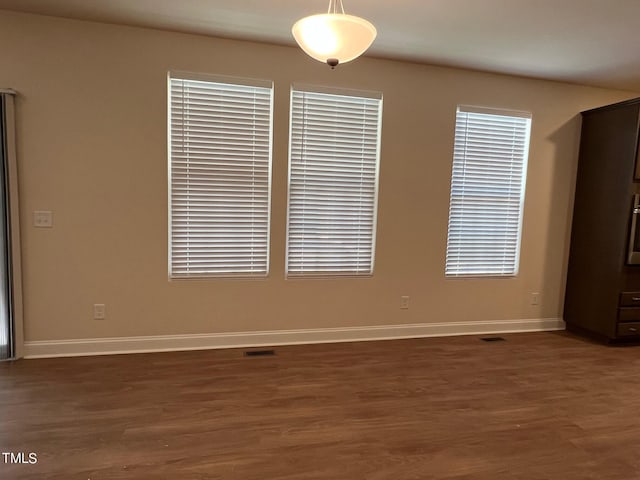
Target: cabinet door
column 636, row 175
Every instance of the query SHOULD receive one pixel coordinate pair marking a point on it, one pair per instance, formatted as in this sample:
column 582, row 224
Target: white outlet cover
column 99, row 311
column 404, row 302
column 535, row 298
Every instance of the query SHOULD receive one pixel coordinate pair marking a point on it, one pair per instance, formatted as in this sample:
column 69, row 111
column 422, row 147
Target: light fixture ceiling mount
column 334, row 37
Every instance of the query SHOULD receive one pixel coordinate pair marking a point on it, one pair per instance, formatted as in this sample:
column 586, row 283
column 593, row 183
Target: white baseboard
column 164, row 343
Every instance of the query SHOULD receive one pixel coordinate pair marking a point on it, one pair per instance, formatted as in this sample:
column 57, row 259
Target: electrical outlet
column 42, row 219
column 535, row 298
column 99, row 311
column 404, row 303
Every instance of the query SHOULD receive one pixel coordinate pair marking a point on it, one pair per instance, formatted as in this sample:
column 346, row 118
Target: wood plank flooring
column 543, row 406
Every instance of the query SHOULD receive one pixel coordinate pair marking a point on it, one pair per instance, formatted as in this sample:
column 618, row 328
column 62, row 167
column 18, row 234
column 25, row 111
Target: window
column 333, row 182
column 220, row 176
column 487, row 192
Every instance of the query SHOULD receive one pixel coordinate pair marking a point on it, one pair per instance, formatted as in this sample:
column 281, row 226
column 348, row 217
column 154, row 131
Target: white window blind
column 220, row 176
column 487, row 192
column 333, row 183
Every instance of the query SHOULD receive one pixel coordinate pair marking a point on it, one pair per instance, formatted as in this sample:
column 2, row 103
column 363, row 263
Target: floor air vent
column 492, row 339
column 259, row 353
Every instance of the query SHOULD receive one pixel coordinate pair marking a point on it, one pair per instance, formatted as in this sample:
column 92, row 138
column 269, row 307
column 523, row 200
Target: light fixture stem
column 333, row 7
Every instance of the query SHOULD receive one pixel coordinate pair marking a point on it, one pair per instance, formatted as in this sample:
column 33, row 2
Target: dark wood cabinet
column 603, row 289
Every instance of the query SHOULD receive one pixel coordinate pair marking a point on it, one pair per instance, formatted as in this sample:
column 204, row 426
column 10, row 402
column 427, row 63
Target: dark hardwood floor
column 543, row 406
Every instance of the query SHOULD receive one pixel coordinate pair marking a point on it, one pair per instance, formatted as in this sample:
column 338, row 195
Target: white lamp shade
column 334, row 36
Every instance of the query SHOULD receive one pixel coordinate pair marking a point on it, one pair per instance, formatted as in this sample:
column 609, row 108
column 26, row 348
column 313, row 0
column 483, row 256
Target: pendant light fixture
column 334, row 37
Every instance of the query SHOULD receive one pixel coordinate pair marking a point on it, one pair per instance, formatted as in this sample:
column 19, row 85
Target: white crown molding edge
column 207, row 341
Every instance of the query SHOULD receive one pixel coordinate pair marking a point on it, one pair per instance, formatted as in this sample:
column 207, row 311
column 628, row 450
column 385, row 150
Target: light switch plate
column 43, row 219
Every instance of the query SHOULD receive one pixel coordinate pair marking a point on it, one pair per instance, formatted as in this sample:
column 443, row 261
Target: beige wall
column 92, row 148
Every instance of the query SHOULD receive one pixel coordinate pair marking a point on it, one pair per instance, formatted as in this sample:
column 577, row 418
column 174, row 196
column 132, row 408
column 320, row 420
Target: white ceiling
column 593, row 42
